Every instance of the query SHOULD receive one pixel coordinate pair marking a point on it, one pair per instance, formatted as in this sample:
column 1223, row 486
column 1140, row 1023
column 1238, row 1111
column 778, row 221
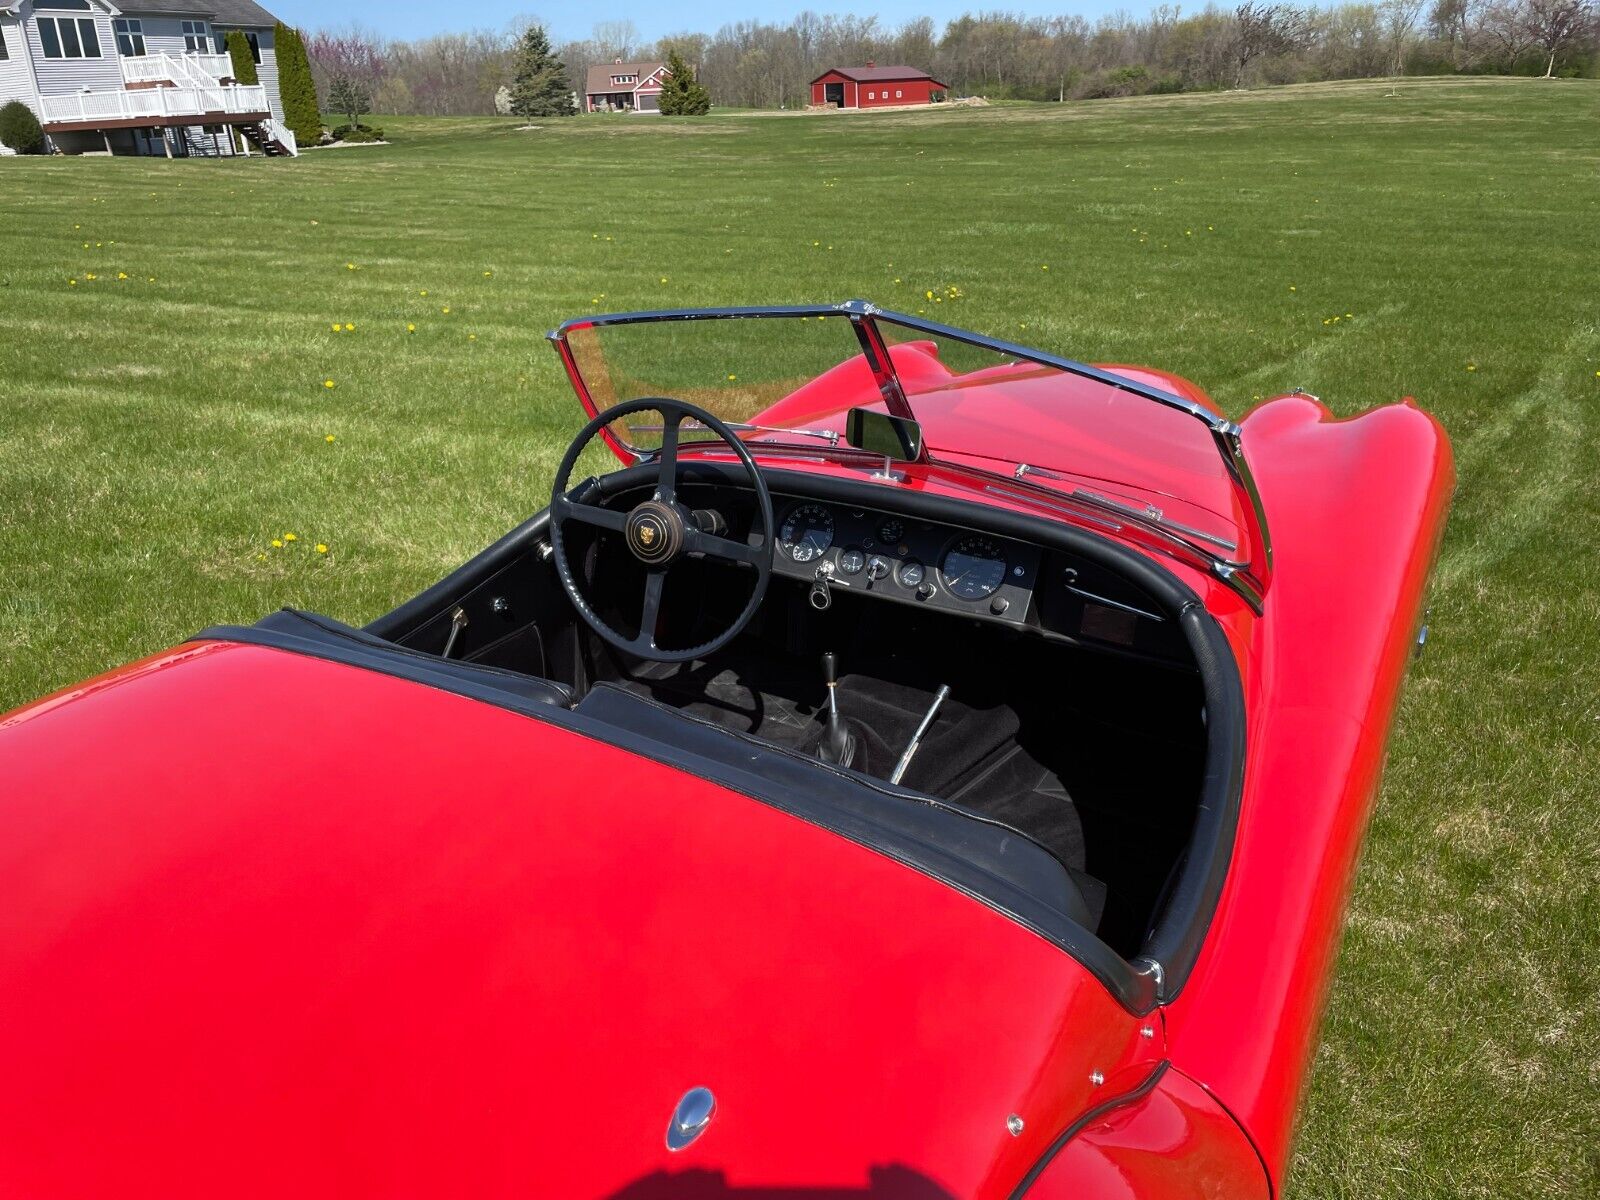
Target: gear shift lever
column 837, row 746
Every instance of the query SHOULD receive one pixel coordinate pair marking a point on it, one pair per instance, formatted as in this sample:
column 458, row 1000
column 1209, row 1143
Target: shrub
column 244, row 66
column 300, row 112
column 357, row 133
column 20, row 129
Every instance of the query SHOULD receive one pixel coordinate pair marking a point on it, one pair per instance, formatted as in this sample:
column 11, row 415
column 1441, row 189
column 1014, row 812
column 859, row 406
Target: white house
column 143, row 76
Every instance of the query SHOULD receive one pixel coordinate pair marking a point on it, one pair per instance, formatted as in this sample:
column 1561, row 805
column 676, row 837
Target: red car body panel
column 353, row 936
column 1171, row 1141
column 349, row 935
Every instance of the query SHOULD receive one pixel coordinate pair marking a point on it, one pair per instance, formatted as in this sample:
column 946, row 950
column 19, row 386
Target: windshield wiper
column 1142, row 512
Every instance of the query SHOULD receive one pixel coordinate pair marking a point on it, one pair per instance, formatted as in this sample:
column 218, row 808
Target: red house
column 873, row 86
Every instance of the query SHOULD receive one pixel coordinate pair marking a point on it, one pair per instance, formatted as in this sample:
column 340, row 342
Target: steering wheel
column 660, row 531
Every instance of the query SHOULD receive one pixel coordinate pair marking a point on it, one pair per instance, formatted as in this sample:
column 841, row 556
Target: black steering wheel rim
column 660, row 531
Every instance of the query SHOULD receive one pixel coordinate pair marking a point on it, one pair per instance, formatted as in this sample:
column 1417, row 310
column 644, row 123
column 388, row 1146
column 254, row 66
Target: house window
column 4, row 53
column 219, row 41
column 620, row 79
column 898, row 93
column 68, row 37
column 130, row 37
column 872, row 95
column 195, row 37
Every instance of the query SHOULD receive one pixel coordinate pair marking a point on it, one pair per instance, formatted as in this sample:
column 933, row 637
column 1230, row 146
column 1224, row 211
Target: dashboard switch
column 999, row 605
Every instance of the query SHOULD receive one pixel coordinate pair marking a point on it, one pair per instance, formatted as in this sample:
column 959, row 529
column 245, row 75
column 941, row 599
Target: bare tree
column 1553, row 24
column 1400, row 19
column 1507, row 26
column 1260, row 29
column 616, row 40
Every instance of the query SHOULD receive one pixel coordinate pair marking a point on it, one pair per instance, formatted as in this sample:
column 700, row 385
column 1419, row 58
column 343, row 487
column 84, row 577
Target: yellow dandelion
column 328, row 439
column 445, row 309
column 290, row 537
column 122, row 274
column 423, row 292
column 487, row 274
column 663, row 279
column 1472, row 366
column 152, row 279
column 732, row 378
column 351, row 267
column 91, row 277
column 277, row 543
column 1044, row 266
column 1291, row 287
column 472, row 337
column 328, row 383
column 349, row 328
column 337, row 327
column 411, row 328
column 73, row 282
column 322, row 547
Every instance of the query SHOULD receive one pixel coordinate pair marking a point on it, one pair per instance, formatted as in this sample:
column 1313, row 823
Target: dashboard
column 844, row 550
column 917, row 562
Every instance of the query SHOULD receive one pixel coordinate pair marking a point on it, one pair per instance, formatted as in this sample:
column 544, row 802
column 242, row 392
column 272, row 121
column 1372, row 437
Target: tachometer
column 974, row 567
column 806, row 532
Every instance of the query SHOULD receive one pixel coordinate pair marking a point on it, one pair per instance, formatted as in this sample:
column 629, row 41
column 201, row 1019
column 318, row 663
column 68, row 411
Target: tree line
column 1005, row 56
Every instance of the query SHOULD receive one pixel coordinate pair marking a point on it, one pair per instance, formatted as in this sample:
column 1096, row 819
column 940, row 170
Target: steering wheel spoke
column 650, row 611
column 589, row 514
column 667, row 458
column 709, row 544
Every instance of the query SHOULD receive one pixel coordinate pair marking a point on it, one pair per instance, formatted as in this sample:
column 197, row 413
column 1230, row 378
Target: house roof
column 227, row 14
column 599, row 77
column 877, row 74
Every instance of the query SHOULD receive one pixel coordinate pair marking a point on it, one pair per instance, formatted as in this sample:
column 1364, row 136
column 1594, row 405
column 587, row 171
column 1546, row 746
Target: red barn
column 873, row 86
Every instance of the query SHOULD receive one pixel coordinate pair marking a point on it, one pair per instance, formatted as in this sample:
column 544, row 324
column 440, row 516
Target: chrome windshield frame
column 1250, row 575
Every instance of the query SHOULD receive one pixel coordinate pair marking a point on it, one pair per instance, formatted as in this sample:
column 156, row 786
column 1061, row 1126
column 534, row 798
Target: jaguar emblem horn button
column 655, row 533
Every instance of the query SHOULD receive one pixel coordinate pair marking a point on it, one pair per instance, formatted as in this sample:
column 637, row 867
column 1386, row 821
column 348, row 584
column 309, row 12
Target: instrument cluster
column 913, row 561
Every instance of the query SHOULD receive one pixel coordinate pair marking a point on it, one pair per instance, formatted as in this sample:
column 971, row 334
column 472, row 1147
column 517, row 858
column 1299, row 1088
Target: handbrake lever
column 916, row 738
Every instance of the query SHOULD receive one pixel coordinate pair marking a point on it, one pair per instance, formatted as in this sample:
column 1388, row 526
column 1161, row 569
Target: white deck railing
column 154, row 102
column 283, row 135
column 195, row 70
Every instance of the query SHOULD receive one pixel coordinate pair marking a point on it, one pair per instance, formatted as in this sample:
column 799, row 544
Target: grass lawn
column 158, row 431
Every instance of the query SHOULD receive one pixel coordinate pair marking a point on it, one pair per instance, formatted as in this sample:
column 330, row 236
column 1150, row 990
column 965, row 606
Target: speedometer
column 974, row 567
column 806, row 532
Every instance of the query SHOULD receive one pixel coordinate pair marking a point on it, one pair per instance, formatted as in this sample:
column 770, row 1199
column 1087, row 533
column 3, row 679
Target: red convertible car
column 913, row 772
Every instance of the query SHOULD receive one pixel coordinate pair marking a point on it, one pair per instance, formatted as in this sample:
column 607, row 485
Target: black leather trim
column 323, row 637
column 1077, row 1127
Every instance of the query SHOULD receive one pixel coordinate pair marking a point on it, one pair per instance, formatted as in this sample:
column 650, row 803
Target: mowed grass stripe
column 155, row 437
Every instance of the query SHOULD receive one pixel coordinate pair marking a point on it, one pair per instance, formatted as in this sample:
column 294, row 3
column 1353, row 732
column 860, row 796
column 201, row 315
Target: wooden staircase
column 263, row 141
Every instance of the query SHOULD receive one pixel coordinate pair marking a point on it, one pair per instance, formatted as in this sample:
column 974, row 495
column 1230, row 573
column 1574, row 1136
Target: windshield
column 746, row 370
column 1106, row 440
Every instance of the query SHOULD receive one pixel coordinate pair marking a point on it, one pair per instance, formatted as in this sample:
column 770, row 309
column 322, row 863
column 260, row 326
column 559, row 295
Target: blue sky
column 417, row 18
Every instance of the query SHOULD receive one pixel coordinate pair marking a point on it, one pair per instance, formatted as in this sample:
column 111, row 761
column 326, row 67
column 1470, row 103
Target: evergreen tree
column 295, row 85
column 539, row 84
column 244, row 66
column 681, row 93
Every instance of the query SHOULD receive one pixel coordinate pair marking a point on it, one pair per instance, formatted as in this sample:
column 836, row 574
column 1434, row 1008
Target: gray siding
column 16, row 81
column 267, row 70
column 58, row 76
column 164, row 33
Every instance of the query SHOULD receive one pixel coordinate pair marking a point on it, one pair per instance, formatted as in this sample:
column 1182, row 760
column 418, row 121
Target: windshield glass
column 746, row 370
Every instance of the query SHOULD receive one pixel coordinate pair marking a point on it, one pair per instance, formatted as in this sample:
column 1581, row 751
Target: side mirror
column 898, row 439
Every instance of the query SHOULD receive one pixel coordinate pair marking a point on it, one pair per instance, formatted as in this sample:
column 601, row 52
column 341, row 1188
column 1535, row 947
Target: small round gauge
column 891, row 531
column 806, row 532
column 851, row 560
column 912, row 573
column 974, row 567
